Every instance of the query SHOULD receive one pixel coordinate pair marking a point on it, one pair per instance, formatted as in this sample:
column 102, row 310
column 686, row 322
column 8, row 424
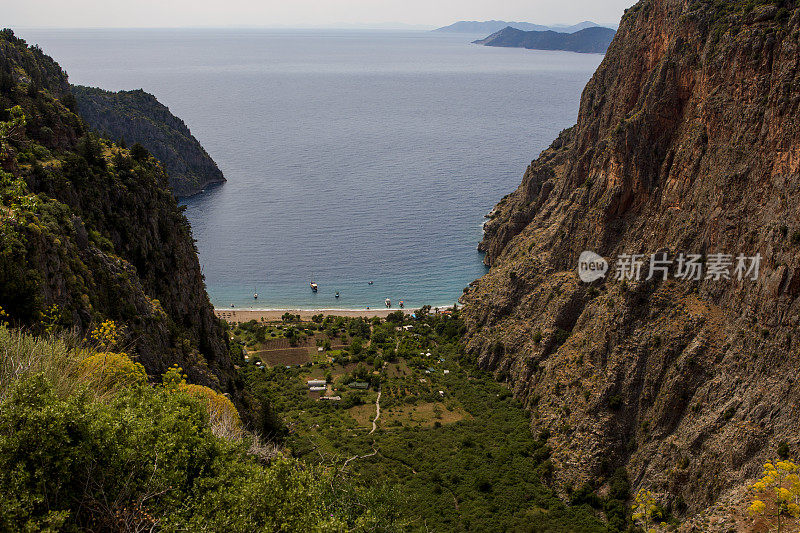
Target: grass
column 57, row 358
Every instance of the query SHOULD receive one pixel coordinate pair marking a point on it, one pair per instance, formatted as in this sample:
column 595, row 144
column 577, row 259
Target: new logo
column 591, row 267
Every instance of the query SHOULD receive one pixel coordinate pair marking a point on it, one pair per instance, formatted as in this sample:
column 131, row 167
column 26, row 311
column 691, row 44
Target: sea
column 350, row 156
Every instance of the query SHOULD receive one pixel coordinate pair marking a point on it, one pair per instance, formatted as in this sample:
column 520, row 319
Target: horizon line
column 333, row 26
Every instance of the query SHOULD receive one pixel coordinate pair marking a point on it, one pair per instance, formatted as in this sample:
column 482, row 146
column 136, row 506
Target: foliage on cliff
column 686, row 142
column 90, row 231
column 129, row 117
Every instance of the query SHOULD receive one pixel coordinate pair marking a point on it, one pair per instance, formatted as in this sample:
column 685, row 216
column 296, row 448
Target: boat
column 371, row 282
column 255, row 295
column 337, row 294
column 402, row 305
column 388, row 302
column 314, row 286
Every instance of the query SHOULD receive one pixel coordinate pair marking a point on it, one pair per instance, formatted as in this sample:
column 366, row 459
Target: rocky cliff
column 90, row 231
column 137, row 117
column 687, row 141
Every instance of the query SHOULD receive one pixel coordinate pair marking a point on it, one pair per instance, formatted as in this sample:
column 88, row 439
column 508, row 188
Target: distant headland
column 589, row 40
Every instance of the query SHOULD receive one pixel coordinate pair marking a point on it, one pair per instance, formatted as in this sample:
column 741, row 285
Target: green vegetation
column 137, row 117
column 450, row 439
column 129, row 456
column 89, row 230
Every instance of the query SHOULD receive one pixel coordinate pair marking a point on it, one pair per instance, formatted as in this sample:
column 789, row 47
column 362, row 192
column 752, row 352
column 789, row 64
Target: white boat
column 388, row 302
column 314, row 286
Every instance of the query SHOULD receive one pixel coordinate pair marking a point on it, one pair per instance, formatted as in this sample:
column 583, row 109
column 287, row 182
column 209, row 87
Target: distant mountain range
column 492, row 26
column 589, row 40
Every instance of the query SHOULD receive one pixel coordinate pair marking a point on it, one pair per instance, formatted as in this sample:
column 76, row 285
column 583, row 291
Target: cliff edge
column 687, row 142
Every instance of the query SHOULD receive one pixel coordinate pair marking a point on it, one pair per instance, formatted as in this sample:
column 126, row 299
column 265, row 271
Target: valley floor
column 451, row 443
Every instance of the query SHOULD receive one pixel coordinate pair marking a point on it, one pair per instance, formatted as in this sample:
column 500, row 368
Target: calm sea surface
column 350, row 155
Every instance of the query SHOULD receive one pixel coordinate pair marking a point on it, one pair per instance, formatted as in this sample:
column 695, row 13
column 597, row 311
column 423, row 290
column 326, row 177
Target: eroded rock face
column 688, row 140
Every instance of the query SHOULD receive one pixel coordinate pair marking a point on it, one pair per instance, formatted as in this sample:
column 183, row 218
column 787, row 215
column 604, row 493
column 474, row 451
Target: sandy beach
column 245, row 315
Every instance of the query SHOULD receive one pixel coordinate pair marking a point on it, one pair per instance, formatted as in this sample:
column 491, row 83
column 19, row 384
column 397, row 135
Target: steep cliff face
column 89, row 231
column 687, row 141
column 136, row 116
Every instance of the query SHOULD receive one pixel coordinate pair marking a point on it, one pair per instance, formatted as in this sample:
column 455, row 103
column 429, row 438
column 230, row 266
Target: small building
column 316, row 383
column 446, row 371
column 331, row 398
column 317, row 389
column 362, row 385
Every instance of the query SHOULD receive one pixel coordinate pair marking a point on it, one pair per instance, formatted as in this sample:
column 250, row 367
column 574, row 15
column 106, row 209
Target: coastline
column 269, row 315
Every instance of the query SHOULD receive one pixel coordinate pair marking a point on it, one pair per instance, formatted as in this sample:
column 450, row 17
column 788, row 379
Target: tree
column 139, row 152
column 396, row 317
column 777, row 492
column 356, row 346
column 11, row 130
column 646, row 513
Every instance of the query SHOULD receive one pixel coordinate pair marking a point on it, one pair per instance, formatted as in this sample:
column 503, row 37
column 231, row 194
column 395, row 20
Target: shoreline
column 269, row 315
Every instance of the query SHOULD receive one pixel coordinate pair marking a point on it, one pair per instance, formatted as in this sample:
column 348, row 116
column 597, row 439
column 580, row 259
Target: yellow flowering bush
column 174, row 378
column 107, row 334
column 110, row 370
column 646, row 514
column 777, row 493
column 223, row 416
column 50, row 318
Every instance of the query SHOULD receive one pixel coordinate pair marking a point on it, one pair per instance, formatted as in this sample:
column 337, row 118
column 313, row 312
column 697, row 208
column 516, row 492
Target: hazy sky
column 298, row 13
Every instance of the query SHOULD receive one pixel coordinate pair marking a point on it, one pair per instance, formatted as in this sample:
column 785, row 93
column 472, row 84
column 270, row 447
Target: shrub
column 224, row 418
column 783, row 450
column 107, row 371
column 615, row 402
column 146, row 459
column 560, row 336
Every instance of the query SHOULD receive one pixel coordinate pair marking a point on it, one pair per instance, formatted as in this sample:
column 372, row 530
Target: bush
column 222, row 414
column 107, row 371
column 147, row 459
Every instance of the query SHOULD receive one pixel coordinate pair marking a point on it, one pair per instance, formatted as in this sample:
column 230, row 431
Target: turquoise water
column 350, row 156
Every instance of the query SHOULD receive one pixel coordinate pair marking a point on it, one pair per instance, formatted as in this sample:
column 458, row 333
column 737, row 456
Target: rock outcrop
column 687, row 141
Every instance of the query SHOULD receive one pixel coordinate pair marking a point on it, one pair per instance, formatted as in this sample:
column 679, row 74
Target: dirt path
column 377, row 413
column 374, row 452
column 374, row 427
